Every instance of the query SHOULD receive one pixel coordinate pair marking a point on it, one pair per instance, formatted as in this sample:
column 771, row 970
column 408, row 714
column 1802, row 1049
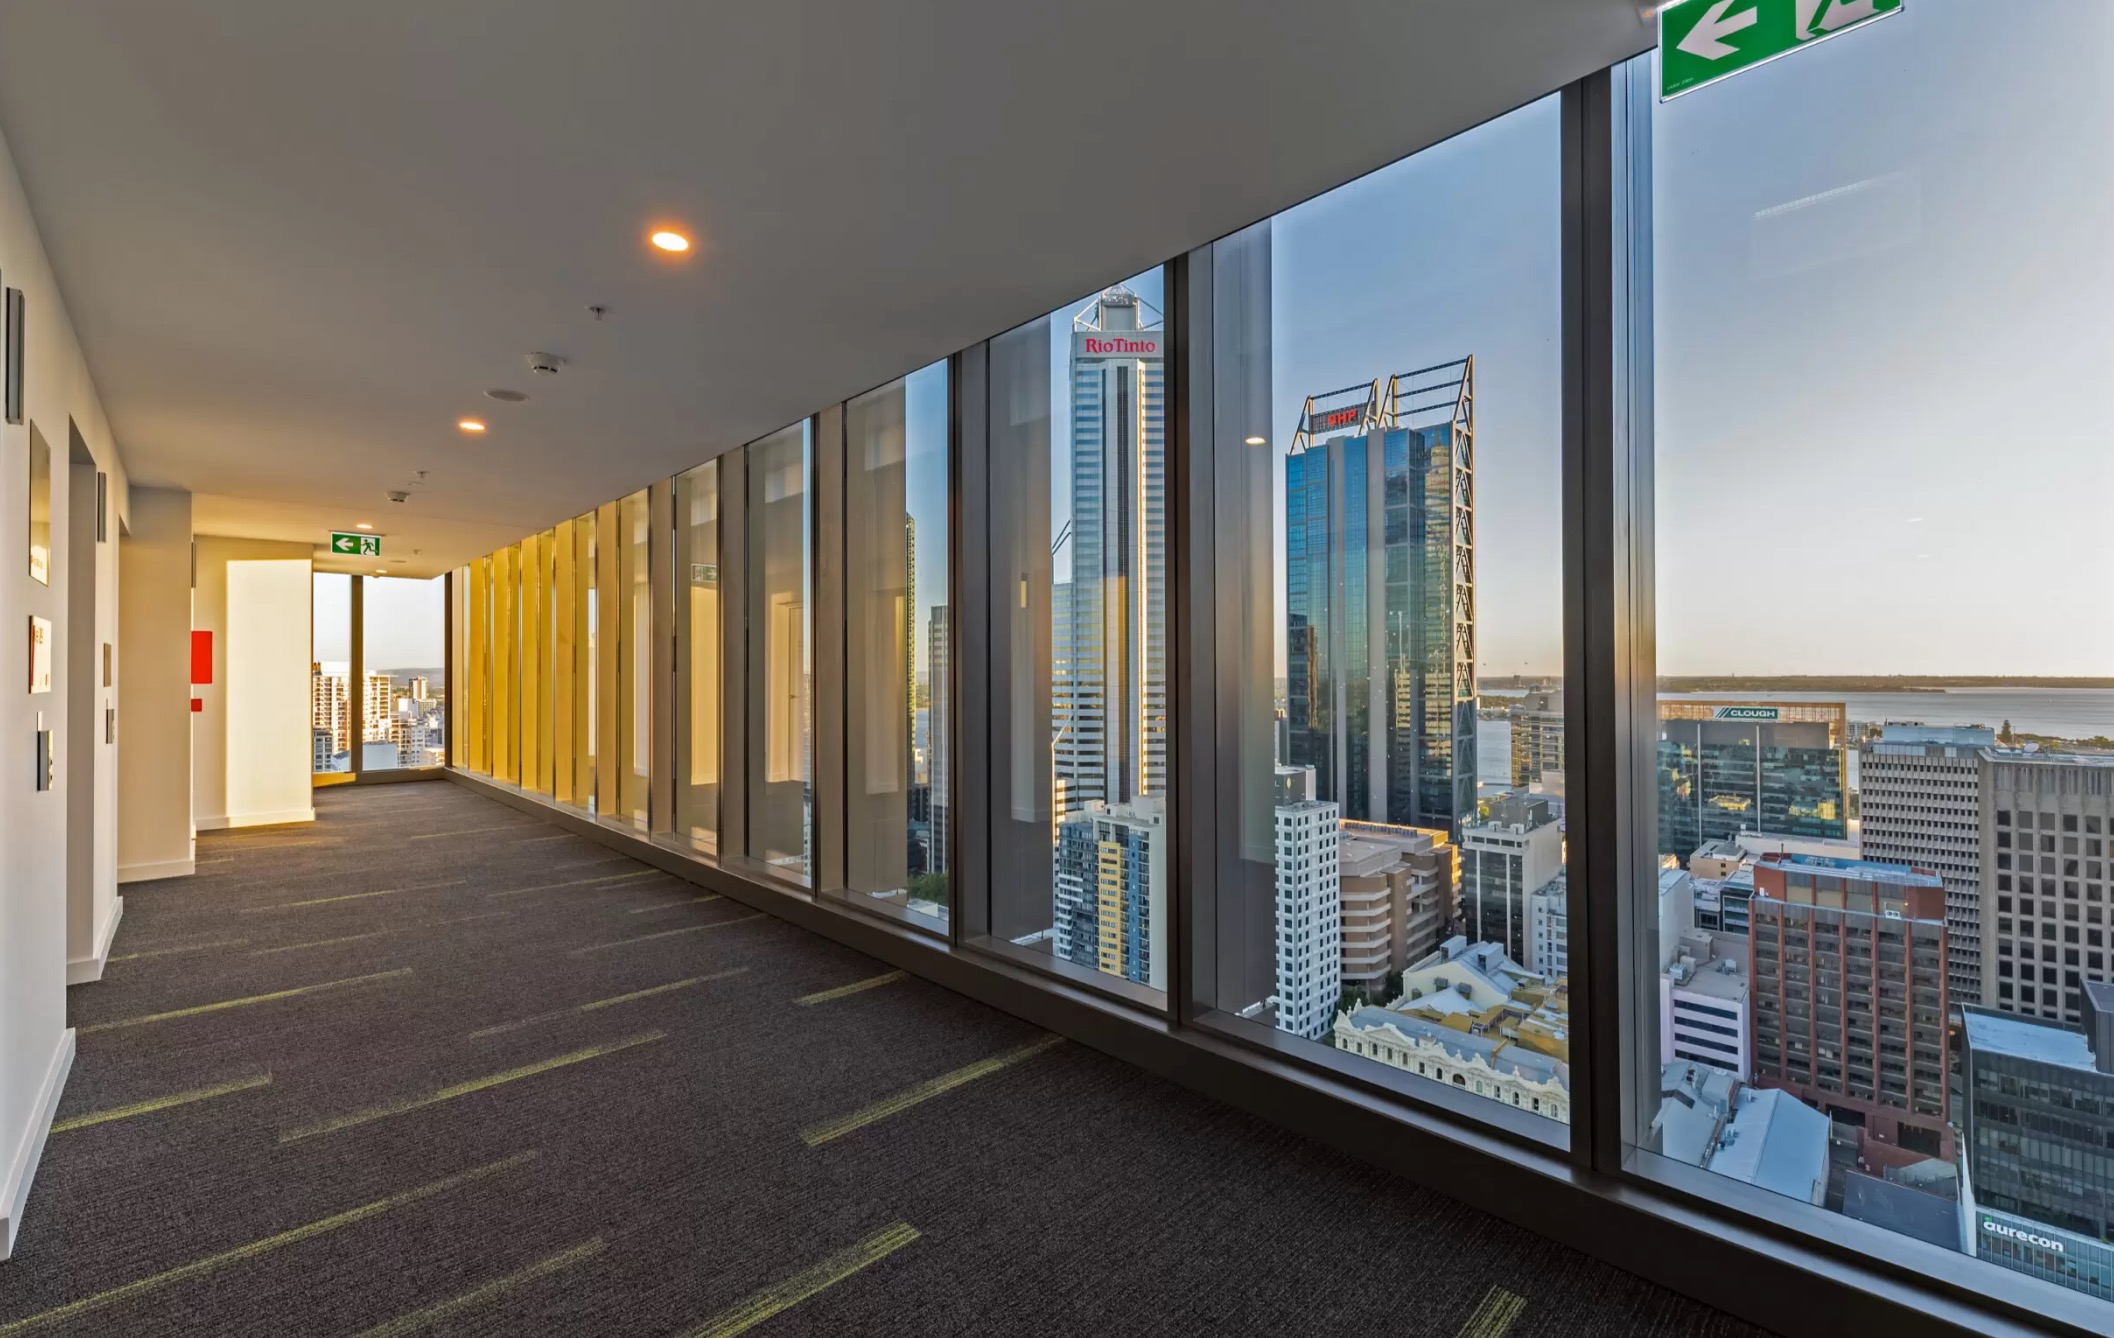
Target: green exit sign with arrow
column 355, row 545
column 1703, row 41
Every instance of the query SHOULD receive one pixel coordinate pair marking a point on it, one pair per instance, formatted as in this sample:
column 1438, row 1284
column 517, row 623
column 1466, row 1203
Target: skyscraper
column 1109, row 694
column 1537, row 736
column 940, row 731
column 1728, row 767
column 1309, row 907
column 1919, row 794
column 1505, row 859
column 1111, row 884
column 1380, row 588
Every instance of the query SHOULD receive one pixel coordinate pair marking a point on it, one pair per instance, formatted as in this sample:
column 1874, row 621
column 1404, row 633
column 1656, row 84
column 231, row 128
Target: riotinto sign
column 1125, row 344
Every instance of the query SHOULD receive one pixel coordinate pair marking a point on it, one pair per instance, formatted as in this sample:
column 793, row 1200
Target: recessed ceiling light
column 363, row 525
column 473, row 426
column 505, row 396
column 1256, row 441
column 672, row 242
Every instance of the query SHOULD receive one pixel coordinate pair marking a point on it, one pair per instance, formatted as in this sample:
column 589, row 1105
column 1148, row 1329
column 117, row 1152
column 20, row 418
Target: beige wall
column 251, row 743
column 154, row 687
column 36, row 1046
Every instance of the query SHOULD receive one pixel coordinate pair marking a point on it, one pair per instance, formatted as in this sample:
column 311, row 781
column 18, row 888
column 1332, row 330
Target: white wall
column 252, row 750
column 36, row 1047
column 154, row 688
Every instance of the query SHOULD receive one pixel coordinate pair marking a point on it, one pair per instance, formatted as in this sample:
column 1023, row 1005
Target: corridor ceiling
column 300, row 240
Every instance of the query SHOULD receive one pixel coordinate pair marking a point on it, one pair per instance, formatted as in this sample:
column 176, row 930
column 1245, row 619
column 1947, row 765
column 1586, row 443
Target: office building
column 939, row 737
column 2038, row 1128
column 377, row 706
column 1919, row 803
column 1537, row 736
column 1309, row 938
column 1109, row 688
column 1759, row 1136
column 1848, row 987
column 1727, row 767
column 1507, row 856
column 1549, row 928
column 1398, row 898
column 1380, row 589
column 2047, row 900
column 1111, row 880
column 1704, row 1004
column 330, row 708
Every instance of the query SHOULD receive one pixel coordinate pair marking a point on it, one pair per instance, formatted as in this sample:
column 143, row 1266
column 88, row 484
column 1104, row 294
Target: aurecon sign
column 1993, row 1227
column 1744, row 713
column 1703, row 41
column 1123, row 344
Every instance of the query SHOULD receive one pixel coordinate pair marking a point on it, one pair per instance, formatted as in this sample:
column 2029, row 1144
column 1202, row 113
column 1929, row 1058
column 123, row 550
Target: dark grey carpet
column 659, row 1183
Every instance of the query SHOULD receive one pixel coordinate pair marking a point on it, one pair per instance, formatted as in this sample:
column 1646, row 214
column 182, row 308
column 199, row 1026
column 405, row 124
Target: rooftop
column 1871, row 870
column 1500, row 1054
column 2028, row 1038
column 1957, row 736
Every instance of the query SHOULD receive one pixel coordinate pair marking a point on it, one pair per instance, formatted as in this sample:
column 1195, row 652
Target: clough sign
column 1148, row 344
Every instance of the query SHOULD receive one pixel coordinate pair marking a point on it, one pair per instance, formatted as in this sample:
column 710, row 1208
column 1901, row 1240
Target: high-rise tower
column 1380, row 586
column 1109, row 697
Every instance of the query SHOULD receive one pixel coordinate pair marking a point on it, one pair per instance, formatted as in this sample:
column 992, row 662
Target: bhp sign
column 1089, row 344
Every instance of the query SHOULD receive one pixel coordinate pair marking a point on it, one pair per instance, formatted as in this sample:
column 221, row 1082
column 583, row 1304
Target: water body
column 2063, row 713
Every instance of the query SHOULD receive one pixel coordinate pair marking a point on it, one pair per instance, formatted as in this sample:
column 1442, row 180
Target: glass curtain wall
column 1390, row 894
column 330, row 672
column 403, row 689
column 897, row 648
column 779, row 593
column 1081, row 841
column 699, row 641
column 634, row 656
column 1884, row 778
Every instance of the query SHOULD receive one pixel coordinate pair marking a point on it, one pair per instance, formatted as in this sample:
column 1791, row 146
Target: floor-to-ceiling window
column 897, row 647
column 1879, row 999
column 1388, row 895
column 699, row 647
column 330, row 672
column 778, row 523
column 402, row 682
column 1081, row 841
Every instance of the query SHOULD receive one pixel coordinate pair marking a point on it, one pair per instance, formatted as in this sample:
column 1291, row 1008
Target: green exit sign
column 355, row 545
column 1703, row 41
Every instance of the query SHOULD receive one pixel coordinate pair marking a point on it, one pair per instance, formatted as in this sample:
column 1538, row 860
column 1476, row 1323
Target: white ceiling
column 299, row 240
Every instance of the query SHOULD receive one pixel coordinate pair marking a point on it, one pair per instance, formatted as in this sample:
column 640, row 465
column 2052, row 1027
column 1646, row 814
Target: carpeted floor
column 431, row 1066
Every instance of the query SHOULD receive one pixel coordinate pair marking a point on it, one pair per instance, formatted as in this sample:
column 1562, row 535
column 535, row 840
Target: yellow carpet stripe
column 153, row 1104
column 199, row 1268
column 243, row 1003
column 599, row 1004
column 474, row 1085
column 785, row 1295
column 577, row 882
column 666, row 933
column 856, row 987
column 670, row 905
column 1495, row 1315
column 819, row 1134
column 497, row 1287
column 171, row 952
column 472, row 831
column 322, row 942
column 354, row 896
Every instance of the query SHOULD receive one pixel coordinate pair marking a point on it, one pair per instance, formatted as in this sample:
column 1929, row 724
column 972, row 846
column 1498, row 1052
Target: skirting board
column 89, row 970
column 147, row 873
column 257, row 819
column 14, row 1191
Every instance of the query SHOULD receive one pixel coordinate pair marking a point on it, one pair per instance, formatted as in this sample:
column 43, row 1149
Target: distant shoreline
column 1832, row 683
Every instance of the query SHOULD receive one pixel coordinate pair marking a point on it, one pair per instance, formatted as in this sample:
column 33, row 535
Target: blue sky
column 404, row 621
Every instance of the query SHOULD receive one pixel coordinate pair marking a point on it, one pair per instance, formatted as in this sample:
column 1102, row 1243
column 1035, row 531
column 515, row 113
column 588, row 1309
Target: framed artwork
column 39, row 507
column 39, row 654
column 17, row 323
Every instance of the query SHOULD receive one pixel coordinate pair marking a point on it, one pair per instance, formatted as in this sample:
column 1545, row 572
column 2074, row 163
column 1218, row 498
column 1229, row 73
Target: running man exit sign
column 1703, row 41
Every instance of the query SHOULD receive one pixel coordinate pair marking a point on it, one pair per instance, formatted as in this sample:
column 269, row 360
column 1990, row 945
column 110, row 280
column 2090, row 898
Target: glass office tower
column 1380, row 616
column 1732, row 767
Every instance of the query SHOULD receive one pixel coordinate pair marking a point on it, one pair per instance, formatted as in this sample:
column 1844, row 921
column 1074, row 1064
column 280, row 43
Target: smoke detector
column 545, row 364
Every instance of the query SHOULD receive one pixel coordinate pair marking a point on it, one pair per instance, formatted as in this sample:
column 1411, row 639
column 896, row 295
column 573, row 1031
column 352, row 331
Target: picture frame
column 40, row 635
column 39, row 507
column 17, row 326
